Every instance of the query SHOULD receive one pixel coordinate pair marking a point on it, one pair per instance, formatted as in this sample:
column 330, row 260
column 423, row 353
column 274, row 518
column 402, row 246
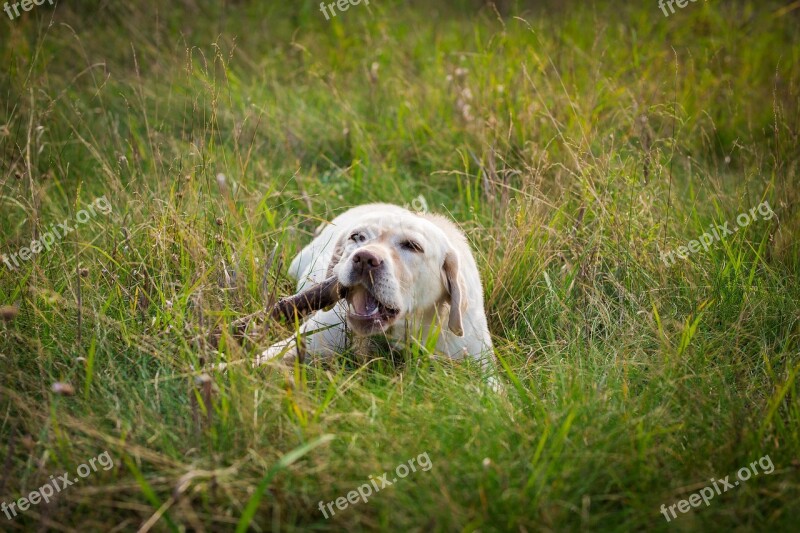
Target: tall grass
column 573, row 142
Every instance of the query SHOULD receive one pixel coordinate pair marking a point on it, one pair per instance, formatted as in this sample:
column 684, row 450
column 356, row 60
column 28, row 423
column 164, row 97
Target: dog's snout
column 365, row 262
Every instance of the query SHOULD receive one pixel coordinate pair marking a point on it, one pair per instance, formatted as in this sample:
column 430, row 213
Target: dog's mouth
column 366, row 313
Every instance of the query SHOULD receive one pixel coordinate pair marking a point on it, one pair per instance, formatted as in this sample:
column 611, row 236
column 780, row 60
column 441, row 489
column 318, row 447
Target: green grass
column 573, row 142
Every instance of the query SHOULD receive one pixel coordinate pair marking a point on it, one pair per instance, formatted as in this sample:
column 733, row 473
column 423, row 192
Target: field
column 593, row 152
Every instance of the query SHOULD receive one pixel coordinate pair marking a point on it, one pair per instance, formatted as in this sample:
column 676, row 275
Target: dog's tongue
column 364, row 303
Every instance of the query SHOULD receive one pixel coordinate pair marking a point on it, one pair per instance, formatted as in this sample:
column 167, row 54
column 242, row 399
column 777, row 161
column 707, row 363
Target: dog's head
column 396, row 265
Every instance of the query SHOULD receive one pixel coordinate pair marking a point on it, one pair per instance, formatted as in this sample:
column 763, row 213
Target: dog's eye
column 412, row 246
column 357, row 237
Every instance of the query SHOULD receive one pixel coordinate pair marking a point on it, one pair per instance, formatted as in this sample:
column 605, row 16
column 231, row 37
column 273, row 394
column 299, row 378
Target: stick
column 316, row 297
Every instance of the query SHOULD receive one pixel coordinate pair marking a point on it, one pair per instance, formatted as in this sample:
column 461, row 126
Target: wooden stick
column 292, row 308
column 314, row 298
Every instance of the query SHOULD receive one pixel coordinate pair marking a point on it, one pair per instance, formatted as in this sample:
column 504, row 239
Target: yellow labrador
column 405, row 276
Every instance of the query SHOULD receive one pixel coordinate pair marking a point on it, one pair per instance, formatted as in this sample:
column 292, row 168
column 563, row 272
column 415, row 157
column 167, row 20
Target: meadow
column 575, row 143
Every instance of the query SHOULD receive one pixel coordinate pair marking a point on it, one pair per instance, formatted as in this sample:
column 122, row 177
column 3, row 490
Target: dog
column 404, row 276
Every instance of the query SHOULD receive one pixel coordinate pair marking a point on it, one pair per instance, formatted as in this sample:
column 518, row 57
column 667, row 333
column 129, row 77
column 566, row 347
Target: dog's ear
column 454, row 284
column 338, row 250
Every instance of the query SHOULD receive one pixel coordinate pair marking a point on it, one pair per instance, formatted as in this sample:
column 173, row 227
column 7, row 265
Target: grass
column 574, row 143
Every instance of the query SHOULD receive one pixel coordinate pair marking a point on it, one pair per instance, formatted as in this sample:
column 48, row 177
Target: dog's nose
column 365, row 262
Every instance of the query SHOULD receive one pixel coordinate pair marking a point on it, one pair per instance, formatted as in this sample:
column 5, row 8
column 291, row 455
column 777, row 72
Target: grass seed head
column 8, row 312
column 63, row 389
